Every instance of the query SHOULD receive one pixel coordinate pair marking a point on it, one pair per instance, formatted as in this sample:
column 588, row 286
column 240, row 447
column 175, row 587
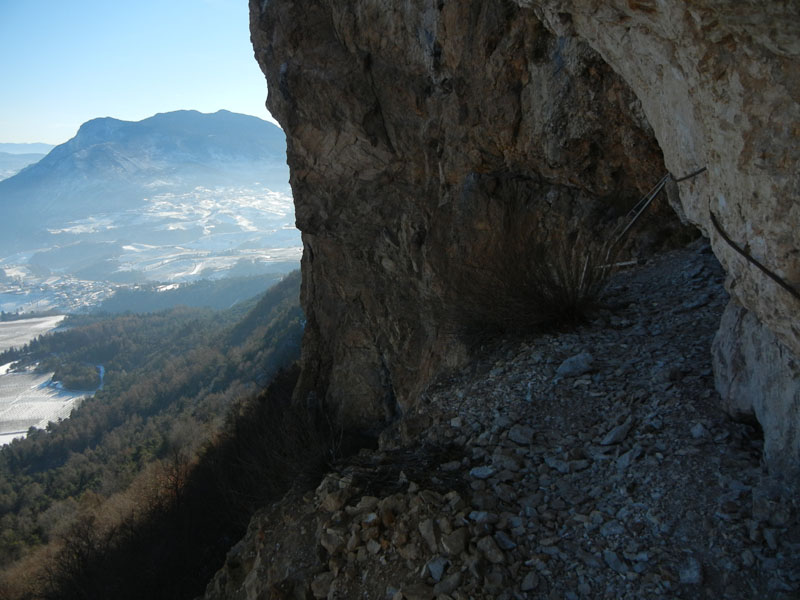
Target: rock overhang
column 413, row 129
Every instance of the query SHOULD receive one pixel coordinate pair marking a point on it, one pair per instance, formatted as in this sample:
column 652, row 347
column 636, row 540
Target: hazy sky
column 63, row 62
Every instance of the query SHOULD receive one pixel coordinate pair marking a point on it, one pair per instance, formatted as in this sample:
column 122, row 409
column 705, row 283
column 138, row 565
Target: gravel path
column 591, row 464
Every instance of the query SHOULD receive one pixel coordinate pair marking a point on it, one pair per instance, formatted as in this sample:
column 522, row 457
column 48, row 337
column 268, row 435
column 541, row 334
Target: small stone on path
column 574, row 366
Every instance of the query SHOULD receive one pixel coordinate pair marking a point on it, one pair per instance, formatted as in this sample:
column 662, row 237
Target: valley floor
column 32, row 400
column 533, row 474
column 15, row 334
column 29, row 399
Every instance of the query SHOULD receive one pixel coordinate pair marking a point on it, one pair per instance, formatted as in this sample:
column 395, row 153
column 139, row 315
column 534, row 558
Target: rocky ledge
column 590, row 464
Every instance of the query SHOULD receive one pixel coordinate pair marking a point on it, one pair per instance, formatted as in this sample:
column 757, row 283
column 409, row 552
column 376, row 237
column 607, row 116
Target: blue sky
column 63, row 62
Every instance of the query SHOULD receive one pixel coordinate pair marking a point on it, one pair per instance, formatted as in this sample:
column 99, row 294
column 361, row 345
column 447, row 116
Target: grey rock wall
column 720, row 84
column 417, row 133
column 758, row 377
column 421, row 133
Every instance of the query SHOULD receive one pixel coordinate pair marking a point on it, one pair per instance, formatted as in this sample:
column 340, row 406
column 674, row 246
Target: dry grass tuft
column 532, row 286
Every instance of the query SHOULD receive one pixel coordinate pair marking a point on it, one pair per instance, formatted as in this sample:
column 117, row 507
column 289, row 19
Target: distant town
column 68, row 294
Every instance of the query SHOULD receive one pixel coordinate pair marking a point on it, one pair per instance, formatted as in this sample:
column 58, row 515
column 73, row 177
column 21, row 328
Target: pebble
column 698, row 431
column 490, row 550
column 625, row 461
column 612, row 528
column 504, row 541
column 448, row 585
column 455, row 543
column 618, row 434
column 559, row 465
column 373, row 547
column 748, row 559
column 612, row 560
column 521, row 434
column 529, row 582
column 427, row 530
column 483, row 472
column 692, row 572
column 321, row 584
column 436, row 567
column 575, row 366
column 417, row 591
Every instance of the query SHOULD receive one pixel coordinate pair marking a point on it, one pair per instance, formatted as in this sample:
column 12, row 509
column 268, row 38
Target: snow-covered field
column 205, row 233
column 202, row 233
column 28, row 399
column 14, row 334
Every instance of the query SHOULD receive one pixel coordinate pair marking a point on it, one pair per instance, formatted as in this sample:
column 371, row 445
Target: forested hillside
column 170, row 378
column 217, row 294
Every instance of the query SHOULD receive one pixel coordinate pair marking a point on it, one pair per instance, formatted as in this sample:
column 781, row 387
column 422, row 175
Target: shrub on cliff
column 532, row 286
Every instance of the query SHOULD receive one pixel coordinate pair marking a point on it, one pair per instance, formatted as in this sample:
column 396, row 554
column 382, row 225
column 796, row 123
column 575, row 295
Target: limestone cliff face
column 720, row 84
column 420, row 133
column 416, row 133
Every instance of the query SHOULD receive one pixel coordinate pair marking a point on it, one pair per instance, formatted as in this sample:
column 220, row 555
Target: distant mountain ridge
column 25, row 148
column 186, row 136
column 12, row 163
column 177, row 197
column 113, row 165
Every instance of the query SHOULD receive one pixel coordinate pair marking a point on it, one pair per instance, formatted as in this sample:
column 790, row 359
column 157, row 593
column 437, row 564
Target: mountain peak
column 101, row 128
column 111, row 163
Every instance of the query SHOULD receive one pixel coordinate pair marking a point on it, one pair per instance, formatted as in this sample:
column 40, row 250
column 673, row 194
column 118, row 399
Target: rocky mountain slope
column 590, row 464
column 112, row 165
column 176, row 197
column 429, row 137
column 428, row 141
